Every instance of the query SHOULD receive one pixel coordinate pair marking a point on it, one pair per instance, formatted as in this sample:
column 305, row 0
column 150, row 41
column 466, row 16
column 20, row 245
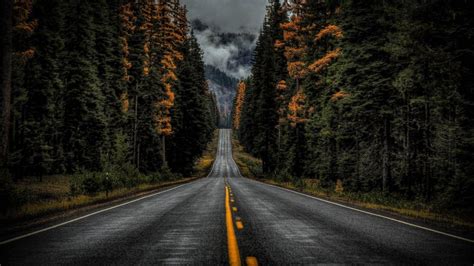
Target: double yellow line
column 233, row 247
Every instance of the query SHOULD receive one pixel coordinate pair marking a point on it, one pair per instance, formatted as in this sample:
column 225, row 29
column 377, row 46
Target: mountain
column 223, row 87
column 228, row 58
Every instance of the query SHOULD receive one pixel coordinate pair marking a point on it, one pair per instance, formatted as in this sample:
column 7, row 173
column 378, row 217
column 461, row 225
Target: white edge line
column 88, row 215
column 374, row 214
column 362, row 211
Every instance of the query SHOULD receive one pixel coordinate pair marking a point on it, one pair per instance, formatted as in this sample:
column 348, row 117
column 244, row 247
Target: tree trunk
column 135, row 132
column 386, row 156
column 427, row 164
column 407, row 152
column 163, row 151
column 6, row 75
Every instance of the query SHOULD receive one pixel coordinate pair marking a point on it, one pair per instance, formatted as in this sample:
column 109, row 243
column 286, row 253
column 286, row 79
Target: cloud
column 226, row 55
column 232, row 55
column 229, row 15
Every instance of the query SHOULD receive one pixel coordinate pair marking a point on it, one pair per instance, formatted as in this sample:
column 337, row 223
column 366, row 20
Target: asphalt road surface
column 189, row 224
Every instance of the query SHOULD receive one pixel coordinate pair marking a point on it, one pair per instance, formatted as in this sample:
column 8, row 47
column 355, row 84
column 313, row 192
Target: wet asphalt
column 186, row 225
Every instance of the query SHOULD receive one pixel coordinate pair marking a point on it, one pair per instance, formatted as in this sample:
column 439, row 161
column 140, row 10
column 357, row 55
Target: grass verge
column 249, row 166
column 54, row 199
column 204, row 164
column 53, row 195
column 456, row 219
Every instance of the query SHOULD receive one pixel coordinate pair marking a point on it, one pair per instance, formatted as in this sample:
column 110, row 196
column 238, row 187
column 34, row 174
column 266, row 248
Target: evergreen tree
column 84, row 117
column 191, row 115
column 43, row 110
column 108, row 47
column 377, row 97
column 6, row 51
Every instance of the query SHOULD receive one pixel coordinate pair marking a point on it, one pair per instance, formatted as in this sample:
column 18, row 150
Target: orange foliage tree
column 296, row 109
column 282, row 87
column 241, row 88
column 170, row 35
column 296, row 36
column 127, row 27
column 24, row 26
column 163, row 27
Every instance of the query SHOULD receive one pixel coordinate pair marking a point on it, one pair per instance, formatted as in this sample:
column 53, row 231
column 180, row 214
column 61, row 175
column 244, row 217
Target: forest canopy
column 101, row 85
column 374, row 96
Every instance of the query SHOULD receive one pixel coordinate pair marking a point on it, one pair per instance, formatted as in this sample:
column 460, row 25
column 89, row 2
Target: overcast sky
column 229, row 15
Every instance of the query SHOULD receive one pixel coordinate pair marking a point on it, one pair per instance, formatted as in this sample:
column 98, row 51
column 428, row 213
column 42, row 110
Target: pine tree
column 260, row 120
column 190, row 117
column 5, row 78
column 84, row 119
column 171, row 36
column 109, row 57
column 239, row 102
column 24, row 26
column 43, row 110
column 16, row 28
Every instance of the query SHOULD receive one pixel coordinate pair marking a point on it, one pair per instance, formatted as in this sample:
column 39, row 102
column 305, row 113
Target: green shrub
column 167, row 175
column 154, row 178
column 91, row 185
column 9, row 197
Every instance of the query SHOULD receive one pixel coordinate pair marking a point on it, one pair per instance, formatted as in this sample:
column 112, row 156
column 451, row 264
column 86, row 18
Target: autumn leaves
column 299, row 34
column 239, row 102
column 163, row 26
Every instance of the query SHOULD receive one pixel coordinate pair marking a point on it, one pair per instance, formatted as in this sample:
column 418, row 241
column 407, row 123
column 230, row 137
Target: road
column 189, row 224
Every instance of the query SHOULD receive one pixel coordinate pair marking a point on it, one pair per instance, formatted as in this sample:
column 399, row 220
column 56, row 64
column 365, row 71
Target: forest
column 365, row 96
column 103, row 86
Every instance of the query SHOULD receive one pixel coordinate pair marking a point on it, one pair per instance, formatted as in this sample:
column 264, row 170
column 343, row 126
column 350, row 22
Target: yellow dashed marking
column 233, row 248
column 251, row 261
column 239, row 225
column 234, row 209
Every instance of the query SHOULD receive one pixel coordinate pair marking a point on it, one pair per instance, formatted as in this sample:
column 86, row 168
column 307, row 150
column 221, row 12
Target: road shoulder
column 436, row 225
column 12, row 228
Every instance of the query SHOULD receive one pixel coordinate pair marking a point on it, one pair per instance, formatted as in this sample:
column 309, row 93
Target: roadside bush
column 124, row 176
column 283, row 176
column 154, row 178
column 85, row 183
column 6, row 192
column 299, row 183
column 167, row 175
column 91, row 185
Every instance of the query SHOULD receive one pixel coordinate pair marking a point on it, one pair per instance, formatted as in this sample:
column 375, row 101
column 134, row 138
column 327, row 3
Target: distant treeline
column 94, row 85
column 373, row 95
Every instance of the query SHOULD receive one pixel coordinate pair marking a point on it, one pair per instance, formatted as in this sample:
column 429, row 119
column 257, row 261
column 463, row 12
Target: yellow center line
column 234, row 254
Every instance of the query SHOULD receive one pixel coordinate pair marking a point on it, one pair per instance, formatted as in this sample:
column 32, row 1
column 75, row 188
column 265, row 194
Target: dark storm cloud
column 229, row 15
column 226, row 16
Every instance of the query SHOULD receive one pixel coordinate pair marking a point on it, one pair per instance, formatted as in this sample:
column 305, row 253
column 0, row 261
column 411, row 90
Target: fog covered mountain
column 231, row 53
column 223, row 88
column 228, row 58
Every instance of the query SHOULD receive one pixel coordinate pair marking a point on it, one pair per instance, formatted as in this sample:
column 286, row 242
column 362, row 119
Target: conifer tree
column 171, row 36
column 6, row 50
column 239, row 102
column 43, row 110
column 84, row 119
column 191, row 116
